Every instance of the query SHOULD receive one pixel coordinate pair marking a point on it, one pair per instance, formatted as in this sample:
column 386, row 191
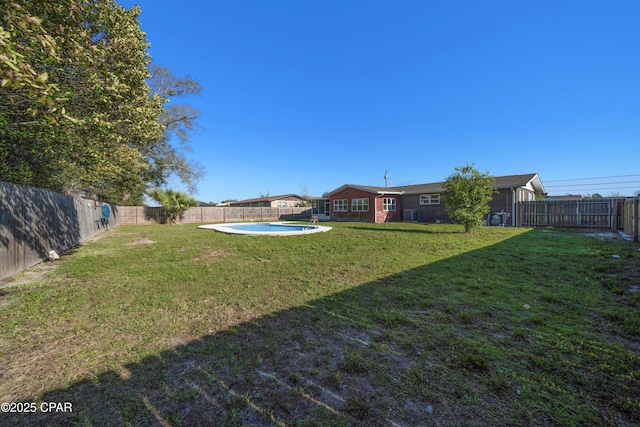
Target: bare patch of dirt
column 211, row 256
column 176, row 341
column 607, row 235
column 141, row 241
column 33, row 274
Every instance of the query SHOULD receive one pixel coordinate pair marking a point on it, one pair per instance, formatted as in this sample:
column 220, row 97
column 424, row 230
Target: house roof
column 368, row 189
column 267, row 199
column 434, row 187
column 507, row 181
column 512, row 181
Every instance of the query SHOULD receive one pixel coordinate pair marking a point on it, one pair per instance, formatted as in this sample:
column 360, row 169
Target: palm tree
column 173, row 203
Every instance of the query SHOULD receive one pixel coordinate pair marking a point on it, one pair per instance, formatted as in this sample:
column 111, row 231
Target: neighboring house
column 424, row 203
column 283, row 201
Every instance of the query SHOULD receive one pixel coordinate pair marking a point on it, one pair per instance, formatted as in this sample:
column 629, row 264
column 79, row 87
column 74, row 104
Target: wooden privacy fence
column 35, row 221
column 136, row 215
column 631, row 216
column 599, row 213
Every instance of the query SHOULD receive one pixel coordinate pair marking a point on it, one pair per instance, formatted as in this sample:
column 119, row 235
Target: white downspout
column 513, row 207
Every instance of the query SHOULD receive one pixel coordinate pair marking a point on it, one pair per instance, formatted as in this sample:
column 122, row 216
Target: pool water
column 266, row 228
column 270, row 228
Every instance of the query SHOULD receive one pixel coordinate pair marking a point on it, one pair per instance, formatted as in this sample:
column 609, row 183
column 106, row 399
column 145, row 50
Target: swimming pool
column 266, row 228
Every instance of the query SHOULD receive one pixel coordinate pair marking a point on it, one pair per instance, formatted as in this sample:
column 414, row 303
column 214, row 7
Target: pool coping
column 226, row 228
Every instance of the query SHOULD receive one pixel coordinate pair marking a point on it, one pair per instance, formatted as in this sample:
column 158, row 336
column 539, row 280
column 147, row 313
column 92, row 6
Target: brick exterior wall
column 428, row 213
column 385, row 216
column 350, row 194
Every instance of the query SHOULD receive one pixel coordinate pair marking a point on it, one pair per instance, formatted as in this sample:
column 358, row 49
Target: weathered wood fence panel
column 599, row 213
column 35, row 221
column 135, row 215
column 631, row 217
column 233, row 214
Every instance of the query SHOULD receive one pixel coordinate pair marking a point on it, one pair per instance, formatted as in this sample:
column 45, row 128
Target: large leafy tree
column 178, row 121
column 18, row 77
column 99, row 66
column 467, row 195
column 77, row 114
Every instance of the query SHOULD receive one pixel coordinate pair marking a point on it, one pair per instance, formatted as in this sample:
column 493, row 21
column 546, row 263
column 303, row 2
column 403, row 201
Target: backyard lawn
column 368, row 324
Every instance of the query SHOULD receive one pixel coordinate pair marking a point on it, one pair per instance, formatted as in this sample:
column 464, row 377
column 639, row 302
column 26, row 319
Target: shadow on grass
column 446, row 343
column 35, row 221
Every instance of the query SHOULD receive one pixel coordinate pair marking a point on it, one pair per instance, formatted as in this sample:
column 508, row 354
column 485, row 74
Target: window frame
column 344, row 205
column 431, row 199
column 388, row 201
column 361, row 203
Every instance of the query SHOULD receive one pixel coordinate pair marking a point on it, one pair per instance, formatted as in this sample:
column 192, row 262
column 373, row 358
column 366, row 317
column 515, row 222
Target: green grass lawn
column 368, row 324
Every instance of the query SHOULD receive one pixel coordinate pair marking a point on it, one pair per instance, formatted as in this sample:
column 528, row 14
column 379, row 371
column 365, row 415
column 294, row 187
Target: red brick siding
column 349, row 194
column 384, row 216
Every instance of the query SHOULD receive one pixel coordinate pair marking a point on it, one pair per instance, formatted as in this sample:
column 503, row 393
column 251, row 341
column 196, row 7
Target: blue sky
column 310, row 95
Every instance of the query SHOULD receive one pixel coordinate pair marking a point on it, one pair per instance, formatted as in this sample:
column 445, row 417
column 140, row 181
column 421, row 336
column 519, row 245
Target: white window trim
column 344, row 206
column 430, row 199
column 385, row 204
column 354, row 203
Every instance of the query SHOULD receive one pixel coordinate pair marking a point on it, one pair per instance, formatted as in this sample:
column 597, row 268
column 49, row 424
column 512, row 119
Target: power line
column 584, row 179
column 595, row 183
column 597, row 186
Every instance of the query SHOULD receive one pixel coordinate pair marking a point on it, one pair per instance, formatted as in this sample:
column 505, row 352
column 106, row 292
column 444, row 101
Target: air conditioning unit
column 499, row 218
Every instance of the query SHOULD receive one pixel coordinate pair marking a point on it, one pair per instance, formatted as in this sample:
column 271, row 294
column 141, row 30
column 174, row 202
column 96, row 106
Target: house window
column 388, row 204
column 340, row 205
column 430, row 199
column 360, row 205
column 281, row 204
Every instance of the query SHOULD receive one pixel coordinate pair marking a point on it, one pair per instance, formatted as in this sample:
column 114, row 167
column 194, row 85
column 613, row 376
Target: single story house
column 282, row 201
column 423, row 202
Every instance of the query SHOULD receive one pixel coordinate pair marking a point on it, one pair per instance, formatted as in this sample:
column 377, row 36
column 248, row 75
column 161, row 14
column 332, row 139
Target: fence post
column 636, row 221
